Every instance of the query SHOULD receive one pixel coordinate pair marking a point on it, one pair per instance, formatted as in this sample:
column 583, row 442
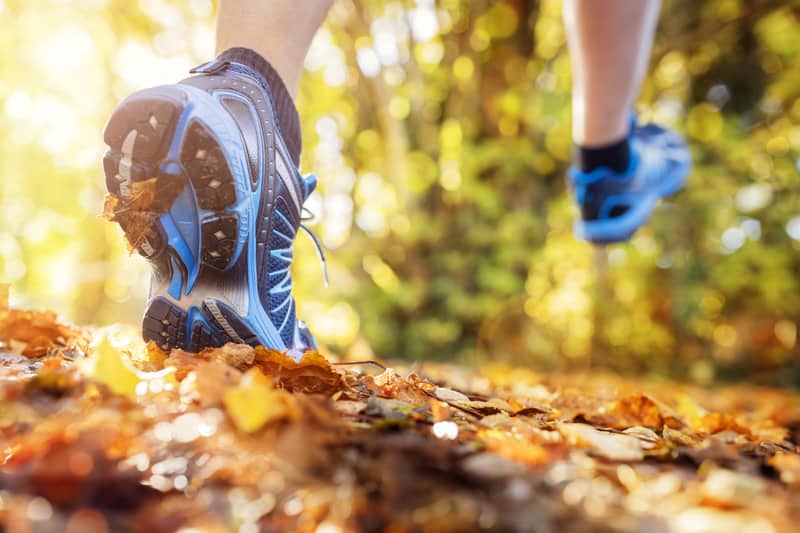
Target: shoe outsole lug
column 207, row 168
column 202, row 337
column 154, row 245
column 219, row 237
column 138, row 172
column 164, row 324
column 204, row 161
column 153, row 118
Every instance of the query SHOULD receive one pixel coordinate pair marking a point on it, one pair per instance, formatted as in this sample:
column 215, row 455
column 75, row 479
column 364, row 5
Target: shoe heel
column 139, row 134
column 146, row 171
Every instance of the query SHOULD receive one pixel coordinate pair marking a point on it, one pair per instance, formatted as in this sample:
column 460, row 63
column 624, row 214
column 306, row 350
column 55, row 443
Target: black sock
column 288, row 120
column 615, row 156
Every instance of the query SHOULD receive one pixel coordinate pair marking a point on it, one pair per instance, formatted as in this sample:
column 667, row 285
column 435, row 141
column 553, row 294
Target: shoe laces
column 307, row 215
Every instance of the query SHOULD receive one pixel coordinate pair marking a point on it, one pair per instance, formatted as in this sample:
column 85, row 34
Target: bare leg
column 609, row 43
column 279, row 30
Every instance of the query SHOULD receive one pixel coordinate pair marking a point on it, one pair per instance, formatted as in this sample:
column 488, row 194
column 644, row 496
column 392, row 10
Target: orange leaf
column 311, row 374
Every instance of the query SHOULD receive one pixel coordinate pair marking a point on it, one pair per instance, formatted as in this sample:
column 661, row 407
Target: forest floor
column 99, row 432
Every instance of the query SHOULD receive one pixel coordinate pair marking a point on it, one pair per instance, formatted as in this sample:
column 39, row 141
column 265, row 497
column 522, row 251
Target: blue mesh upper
column 276, row 288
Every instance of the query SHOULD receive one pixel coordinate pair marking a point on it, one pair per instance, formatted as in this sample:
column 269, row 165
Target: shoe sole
column 186, row 205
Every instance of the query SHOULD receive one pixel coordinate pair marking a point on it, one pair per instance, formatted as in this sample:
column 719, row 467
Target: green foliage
column 440, row 134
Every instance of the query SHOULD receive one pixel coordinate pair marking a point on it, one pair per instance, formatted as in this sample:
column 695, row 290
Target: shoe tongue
column 310, row 183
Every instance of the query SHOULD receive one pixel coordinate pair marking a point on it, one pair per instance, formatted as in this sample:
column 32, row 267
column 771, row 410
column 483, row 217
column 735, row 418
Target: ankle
column 615, row 156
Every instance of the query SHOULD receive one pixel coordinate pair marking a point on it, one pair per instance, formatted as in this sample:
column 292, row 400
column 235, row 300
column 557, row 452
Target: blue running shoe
column 614, row 205
column 204, row 187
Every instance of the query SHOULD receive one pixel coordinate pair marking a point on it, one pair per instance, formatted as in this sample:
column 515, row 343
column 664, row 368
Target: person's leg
column 621, row 169
column 279, row 30
column 609, row 45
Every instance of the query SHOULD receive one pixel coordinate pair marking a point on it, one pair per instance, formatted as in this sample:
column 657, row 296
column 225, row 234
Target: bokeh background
column 440, row 134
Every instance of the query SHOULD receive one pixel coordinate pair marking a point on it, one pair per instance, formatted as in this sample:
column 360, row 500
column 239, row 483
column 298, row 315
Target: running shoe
column 613, row 205
column 202, row 183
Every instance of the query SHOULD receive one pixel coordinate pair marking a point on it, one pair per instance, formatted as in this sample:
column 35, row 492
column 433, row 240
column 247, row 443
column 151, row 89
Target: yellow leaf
column 255, row 402
column 107, row 366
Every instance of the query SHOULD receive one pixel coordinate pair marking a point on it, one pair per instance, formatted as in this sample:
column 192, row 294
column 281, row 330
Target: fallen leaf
column 648, row 438
column 106, row 365
column 440, row 411
column 184, row 362
column 34, row 333
column 717, row 422
column 491, row 406
column 311, row 374
column 514, row 447
column 239, row 356
column 109, row 366
column 255, row 403
column 207, row 382
column 53, row 377
column 387, row 384
column 449, row 395
column 613, row 446
column 634, row 410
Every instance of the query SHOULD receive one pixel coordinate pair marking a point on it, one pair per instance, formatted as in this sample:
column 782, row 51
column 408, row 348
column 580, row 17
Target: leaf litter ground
column 99, row 432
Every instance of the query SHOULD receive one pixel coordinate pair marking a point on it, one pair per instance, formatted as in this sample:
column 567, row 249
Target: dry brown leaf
column 634, row 410
column 143, row 194
column 240, row 356
column 138, row 215
column 389, row 384
column 184, row 362
column 312, row 374
column 110, row 206
column 421, row 384
column 515, row 447
column 440, row 411
column 35, row 333
column 717, row 422
column 137, row 225
column 207, row 382
column 491, row 406
column 155, row 356
column 54, row 377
